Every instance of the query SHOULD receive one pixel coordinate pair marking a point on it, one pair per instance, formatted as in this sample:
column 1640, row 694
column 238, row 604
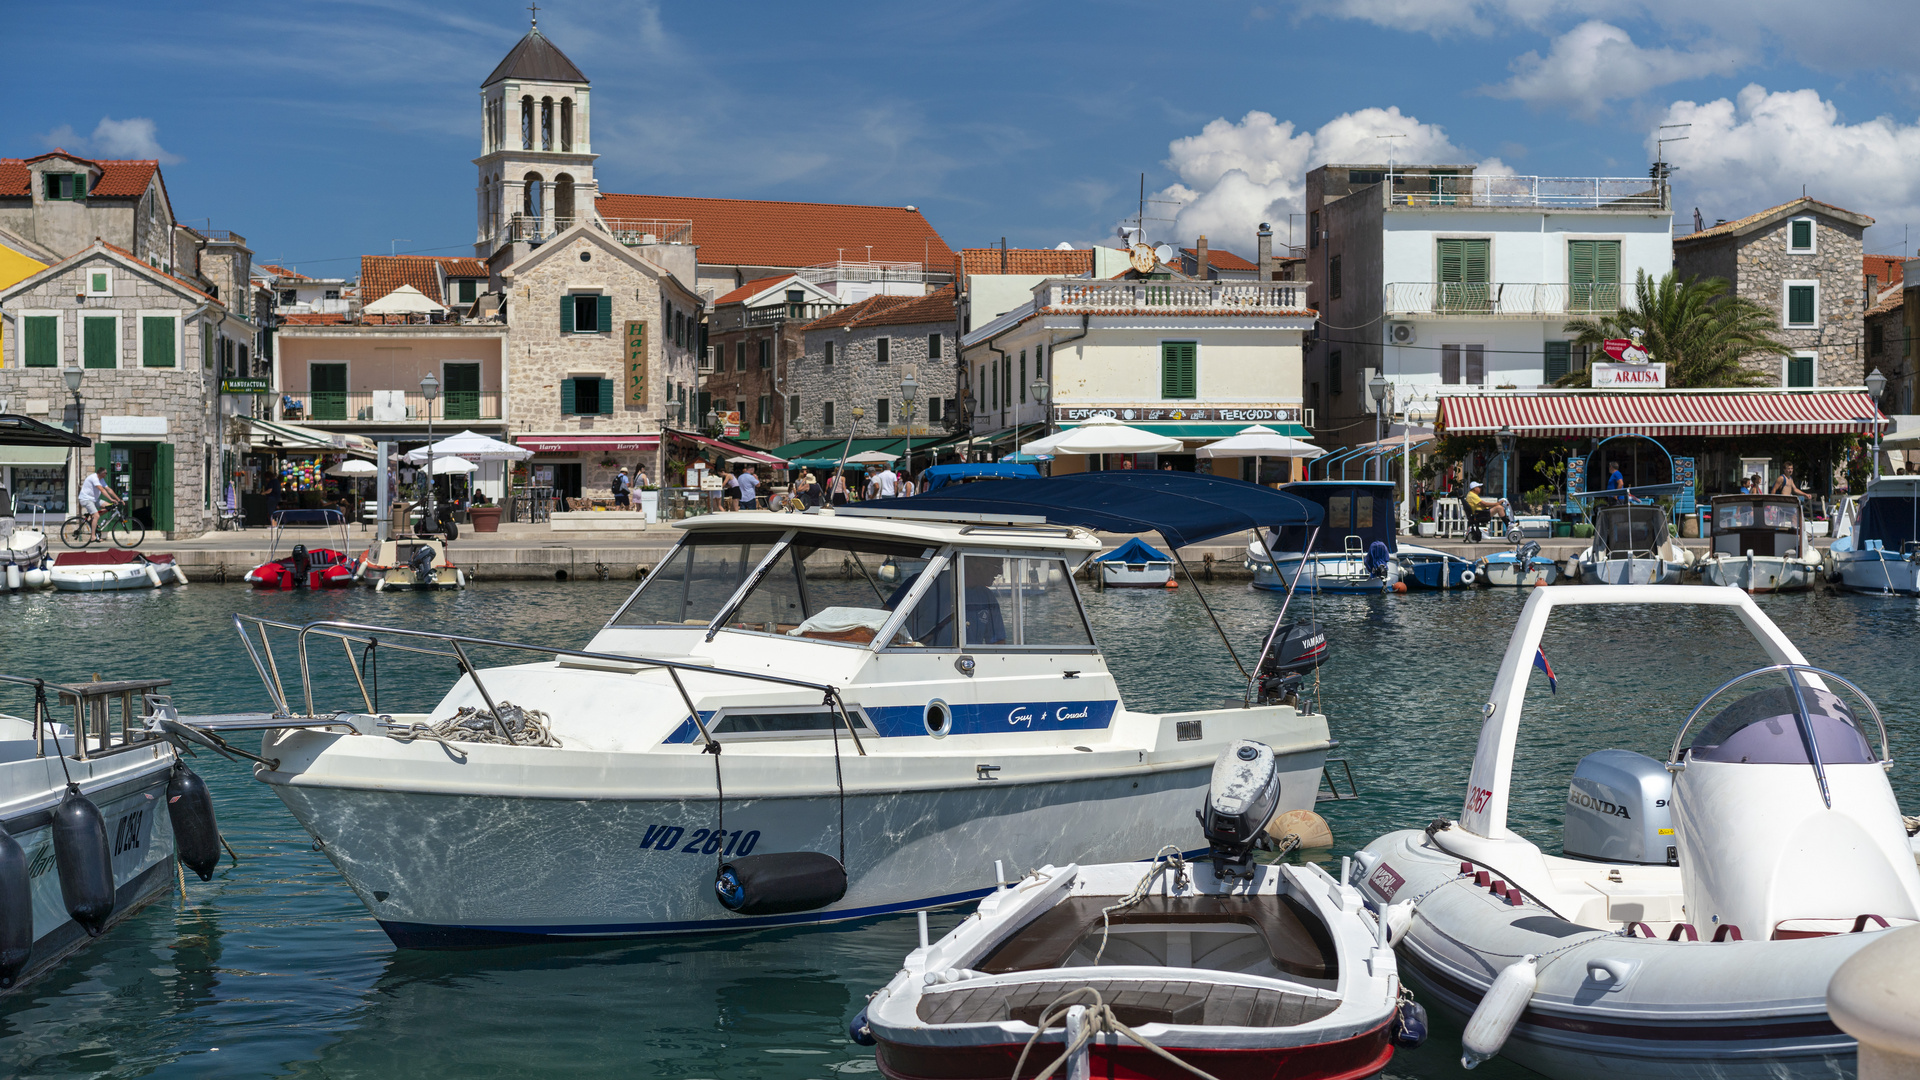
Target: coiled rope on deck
column 1099, row 1020
column 514, row 726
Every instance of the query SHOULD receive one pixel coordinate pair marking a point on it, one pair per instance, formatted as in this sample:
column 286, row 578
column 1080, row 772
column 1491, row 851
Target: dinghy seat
column 1295, row 940
column 1134, row 1002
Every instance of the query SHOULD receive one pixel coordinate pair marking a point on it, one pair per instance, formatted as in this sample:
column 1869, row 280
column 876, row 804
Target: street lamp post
column 1042, row 393
column 1505, row 435
column 1377, row 387
column 909, row 392
column 72, row 375
column 429, row 389
column 1876, row 385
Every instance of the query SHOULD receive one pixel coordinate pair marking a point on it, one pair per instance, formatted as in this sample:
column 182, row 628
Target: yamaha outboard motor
column 298, row 564
column 1243, row 797
column 421, row 562
column 1378, row 559
column 1524, row 555
column 1297, row 649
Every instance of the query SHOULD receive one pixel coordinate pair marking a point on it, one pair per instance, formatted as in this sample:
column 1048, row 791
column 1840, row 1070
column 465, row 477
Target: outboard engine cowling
column 297, row 566
column 776, row 884
column 1242, row 797
column 1297, row 649
column 1524, row 555
column 1618, row 810
column 421, row 563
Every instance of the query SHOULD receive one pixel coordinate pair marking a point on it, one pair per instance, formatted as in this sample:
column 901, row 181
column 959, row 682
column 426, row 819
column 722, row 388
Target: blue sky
column 326, row 131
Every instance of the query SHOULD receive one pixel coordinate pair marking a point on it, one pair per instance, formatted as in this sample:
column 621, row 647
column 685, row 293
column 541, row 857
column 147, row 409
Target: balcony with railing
column 1467, row 191
column 534, row 229
column 775, row 314
column 1170, row 297
column 1500, row 300
column 389, row 406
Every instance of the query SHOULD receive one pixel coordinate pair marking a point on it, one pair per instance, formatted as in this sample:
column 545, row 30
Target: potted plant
column 484, row 514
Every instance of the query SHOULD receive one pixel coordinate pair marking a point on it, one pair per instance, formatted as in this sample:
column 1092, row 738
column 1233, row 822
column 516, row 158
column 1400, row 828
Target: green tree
column 1697, row 327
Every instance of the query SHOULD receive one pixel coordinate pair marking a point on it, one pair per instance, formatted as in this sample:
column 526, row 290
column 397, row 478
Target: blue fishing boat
column 1879, row 555
column 1352, row 550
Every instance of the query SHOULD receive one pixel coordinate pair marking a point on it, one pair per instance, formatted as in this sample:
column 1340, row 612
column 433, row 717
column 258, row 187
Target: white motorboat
column 1760, row 545
column 906, row 695
column 1520, row 568
column 1632, row 546
column 115, row 568
column 420, row 564
column 1135, row 564
column 1881, row 553
column 23, row 557
column 1699, row 906
column 1350, row 550
column 1237, row 968
column 88, row 824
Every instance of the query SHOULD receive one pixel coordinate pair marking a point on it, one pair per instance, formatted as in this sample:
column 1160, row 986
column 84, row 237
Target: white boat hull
column 1152, row 575
column 1759, row 574
column 1505, row 573
column 110, row 578
column 1631, row 571
column 1329, row 573
column 1877, row 571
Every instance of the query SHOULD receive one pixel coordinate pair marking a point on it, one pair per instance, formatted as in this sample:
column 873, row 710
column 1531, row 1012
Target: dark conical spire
column 538, row 60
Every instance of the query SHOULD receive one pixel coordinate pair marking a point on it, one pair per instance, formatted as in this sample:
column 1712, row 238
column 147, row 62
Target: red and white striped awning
column 1662, row 414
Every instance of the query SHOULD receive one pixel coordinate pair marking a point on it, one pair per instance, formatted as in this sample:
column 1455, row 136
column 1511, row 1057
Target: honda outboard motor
column 1618, row 810
column 1378, row 559
column 1297, row 649
column 298, row 564
column 421, row 563
column 1243, row 797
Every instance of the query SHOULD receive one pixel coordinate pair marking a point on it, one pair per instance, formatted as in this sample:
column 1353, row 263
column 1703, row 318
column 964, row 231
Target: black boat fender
column 16, row 910
column 196, row 835
column 1409, row 1024
column 775, row 884
column 859, row 1030
column 85, row 863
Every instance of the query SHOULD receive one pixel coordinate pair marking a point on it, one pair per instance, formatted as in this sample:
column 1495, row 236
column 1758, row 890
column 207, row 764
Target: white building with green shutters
column 148, row 346
column 1437, row 275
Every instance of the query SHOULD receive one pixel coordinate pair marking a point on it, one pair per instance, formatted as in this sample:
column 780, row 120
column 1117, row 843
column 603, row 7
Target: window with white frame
column 1800, row 305
column 98, row 281
column 1800, row 236
column 1800, row 369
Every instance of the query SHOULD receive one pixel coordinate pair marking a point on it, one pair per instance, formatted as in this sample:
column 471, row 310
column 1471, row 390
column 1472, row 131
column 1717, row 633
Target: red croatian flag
column 1540, row 661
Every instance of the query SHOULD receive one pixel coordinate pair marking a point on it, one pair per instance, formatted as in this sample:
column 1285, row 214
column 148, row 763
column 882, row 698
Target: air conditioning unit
column 1401, row 333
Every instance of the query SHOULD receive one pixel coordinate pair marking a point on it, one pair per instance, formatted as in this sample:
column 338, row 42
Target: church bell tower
column 536, row 147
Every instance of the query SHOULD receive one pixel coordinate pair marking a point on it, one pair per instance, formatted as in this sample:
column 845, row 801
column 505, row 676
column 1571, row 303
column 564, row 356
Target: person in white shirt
column 885, row 481
column 91, row 489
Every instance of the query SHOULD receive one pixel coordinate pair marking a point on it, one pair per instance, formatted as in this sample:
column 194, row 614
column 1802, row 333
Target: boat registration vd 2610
column 701, row 841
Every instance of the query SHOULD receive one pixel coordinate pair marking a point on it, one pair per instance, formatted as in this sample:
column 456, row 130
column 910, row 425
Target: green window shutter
column 100, row 342
column 157, row 337
column 1580, row 262
column 1799, row 371
column 102, row 454
column 41, row 344
column 1606, row 262
column 163, row 487
column 1452, row 261
column 1800, row 304
column 603, row 307
column 1559, row 357
column 1477, row 259
column 1802, row 235
column 606, row 390
column 566, row 315
column 79, row 186
column 1178, row 374
column 566, row 398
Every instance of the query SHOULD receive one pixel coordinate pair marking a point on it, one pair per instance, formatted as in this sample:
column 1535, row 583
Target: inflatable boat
column 118, row 568
column 301, row 566
column 1698, row 905
column 1226, row 965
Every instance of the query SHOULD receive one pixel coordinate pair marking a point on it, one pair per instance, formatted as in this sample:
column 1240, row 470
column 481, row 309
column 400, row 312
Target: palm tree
column 1699, row 329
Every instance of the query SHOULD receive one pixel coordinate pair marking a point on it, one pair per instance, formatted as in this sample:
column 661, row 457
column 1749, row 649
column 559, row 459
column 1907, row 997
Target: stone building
column 857, row 357
column 600, row 357
column 153, row 350
column 754, row 334
column 62, row 202
column 1802, row 261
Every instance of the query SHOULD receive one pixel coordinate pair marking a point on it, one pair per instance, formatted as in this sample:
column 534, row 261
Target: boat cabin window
column 1016, row 603
column 1631, row 528
column 697, row 579
column 831, row 588
column 778, row 722
column 1366, row 516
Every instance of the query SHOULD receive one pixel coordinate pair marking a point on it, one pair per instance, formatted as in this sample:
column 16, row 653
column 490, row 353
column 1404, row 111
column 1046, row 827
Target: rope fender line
column 1100, row 1020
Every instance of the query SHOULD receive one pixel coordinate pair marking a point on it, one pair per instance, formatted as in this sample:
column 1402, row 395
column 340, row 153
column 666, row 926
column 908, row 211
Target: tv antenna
column 1662, row 170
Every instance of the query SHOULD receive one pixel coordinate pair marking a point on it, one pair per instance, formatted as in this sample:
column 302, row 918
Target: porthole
column 939, row 718
column 586, row 256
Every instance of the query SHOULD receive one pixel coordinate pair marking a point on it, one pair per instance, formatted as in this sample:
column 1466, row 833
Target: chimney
column 1266, row 253
column 1200, row 258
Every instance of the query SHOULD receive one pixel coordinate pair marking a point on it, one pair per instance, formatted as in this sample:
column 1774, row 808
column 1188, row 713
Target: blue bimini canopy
column 940, row 476
column 1184, row 508
column 1135, row 550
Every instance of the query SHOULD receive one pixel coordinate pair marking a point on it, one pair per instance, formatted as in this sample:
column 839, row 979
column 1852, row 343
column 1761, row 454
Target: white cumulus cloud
column 1236, row 174
column 133, row 137
column 1758, row 149
column 1597, row 62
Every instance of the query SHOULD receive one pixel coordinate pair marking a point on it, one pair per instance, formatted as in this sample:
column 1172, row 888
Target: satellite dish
column 1140, row 257
column 1164, row 253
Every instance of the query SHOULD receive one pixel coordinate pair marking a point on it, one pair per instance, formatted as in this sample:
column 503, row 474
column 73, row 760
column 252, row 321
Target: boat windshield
column 832, row 588
column 1746, row 515
column 1631, row 528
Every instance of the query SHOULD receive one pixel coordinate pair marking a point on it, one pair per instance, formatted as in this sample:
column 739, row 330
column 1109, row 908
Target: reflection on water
column 273, row 968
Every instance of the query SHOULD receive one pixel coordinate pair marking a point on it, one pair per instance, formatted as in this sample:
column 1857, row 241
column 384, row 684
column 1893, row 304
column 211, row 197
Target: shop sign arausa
column 1634, row 368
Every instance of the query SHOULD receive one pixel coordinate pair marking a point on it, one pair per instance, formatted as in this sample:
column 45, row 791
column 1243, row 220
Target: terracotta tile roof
column 118, row 179
column 1220, row 259
column 131, row 257
column 751, row 289
column 282, row 272
column 1887, row 269
column 1748, row 223
column 1052, row 262
column 381, row 274
column 464, row 268
column 938, row 307
column 753, row 232
column 1891, row 303
column 321, row 319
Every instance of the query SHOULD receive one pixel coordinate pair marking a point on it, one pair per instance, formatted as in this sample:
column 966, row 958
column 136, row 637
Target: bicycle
column 116, row 528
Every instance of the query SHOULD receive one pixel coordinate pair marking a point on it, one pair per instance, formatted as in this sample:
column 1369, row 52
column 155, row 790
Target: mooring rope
column 514, row 726
column 1100, row 1019
column 1162, row 862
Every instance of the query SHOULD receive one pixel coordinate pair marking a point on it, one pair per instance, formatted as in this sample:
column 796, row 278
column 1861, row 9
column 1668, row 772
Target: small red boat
column 304, row 567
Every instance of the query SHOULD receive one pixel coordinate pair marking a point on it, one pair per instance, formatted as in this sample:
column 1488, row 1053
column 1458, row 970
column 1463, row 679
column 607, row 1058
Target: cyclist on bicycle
column 91, row 489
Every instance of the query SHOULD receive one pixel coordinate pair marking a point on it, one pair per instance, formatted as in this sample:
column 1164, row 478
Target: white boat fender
column 16, row 910
column 776, row 884
column 1493, row 1020
column 380, row 586
column 13, row 577
column 85, row 864
column 179, row 575
column 196, row 835
column 1397, row 918
column 37, row 579
column 153, row 576
column 460, row 578
column 1467, row 577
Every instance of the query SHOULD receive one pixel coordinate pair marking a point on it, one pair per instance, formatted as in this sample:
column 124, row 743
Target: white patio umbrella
column 354, row 467
column 1259, row 441
column 473, row 446
column 1103, row 435
column 405, row 300
column 443, row 466
column 872, row 457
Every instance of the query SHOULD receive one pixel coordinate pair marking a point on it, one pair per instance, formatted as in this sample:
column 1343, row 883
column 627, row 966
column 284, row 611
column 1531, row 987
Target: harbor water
column 275, row 969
